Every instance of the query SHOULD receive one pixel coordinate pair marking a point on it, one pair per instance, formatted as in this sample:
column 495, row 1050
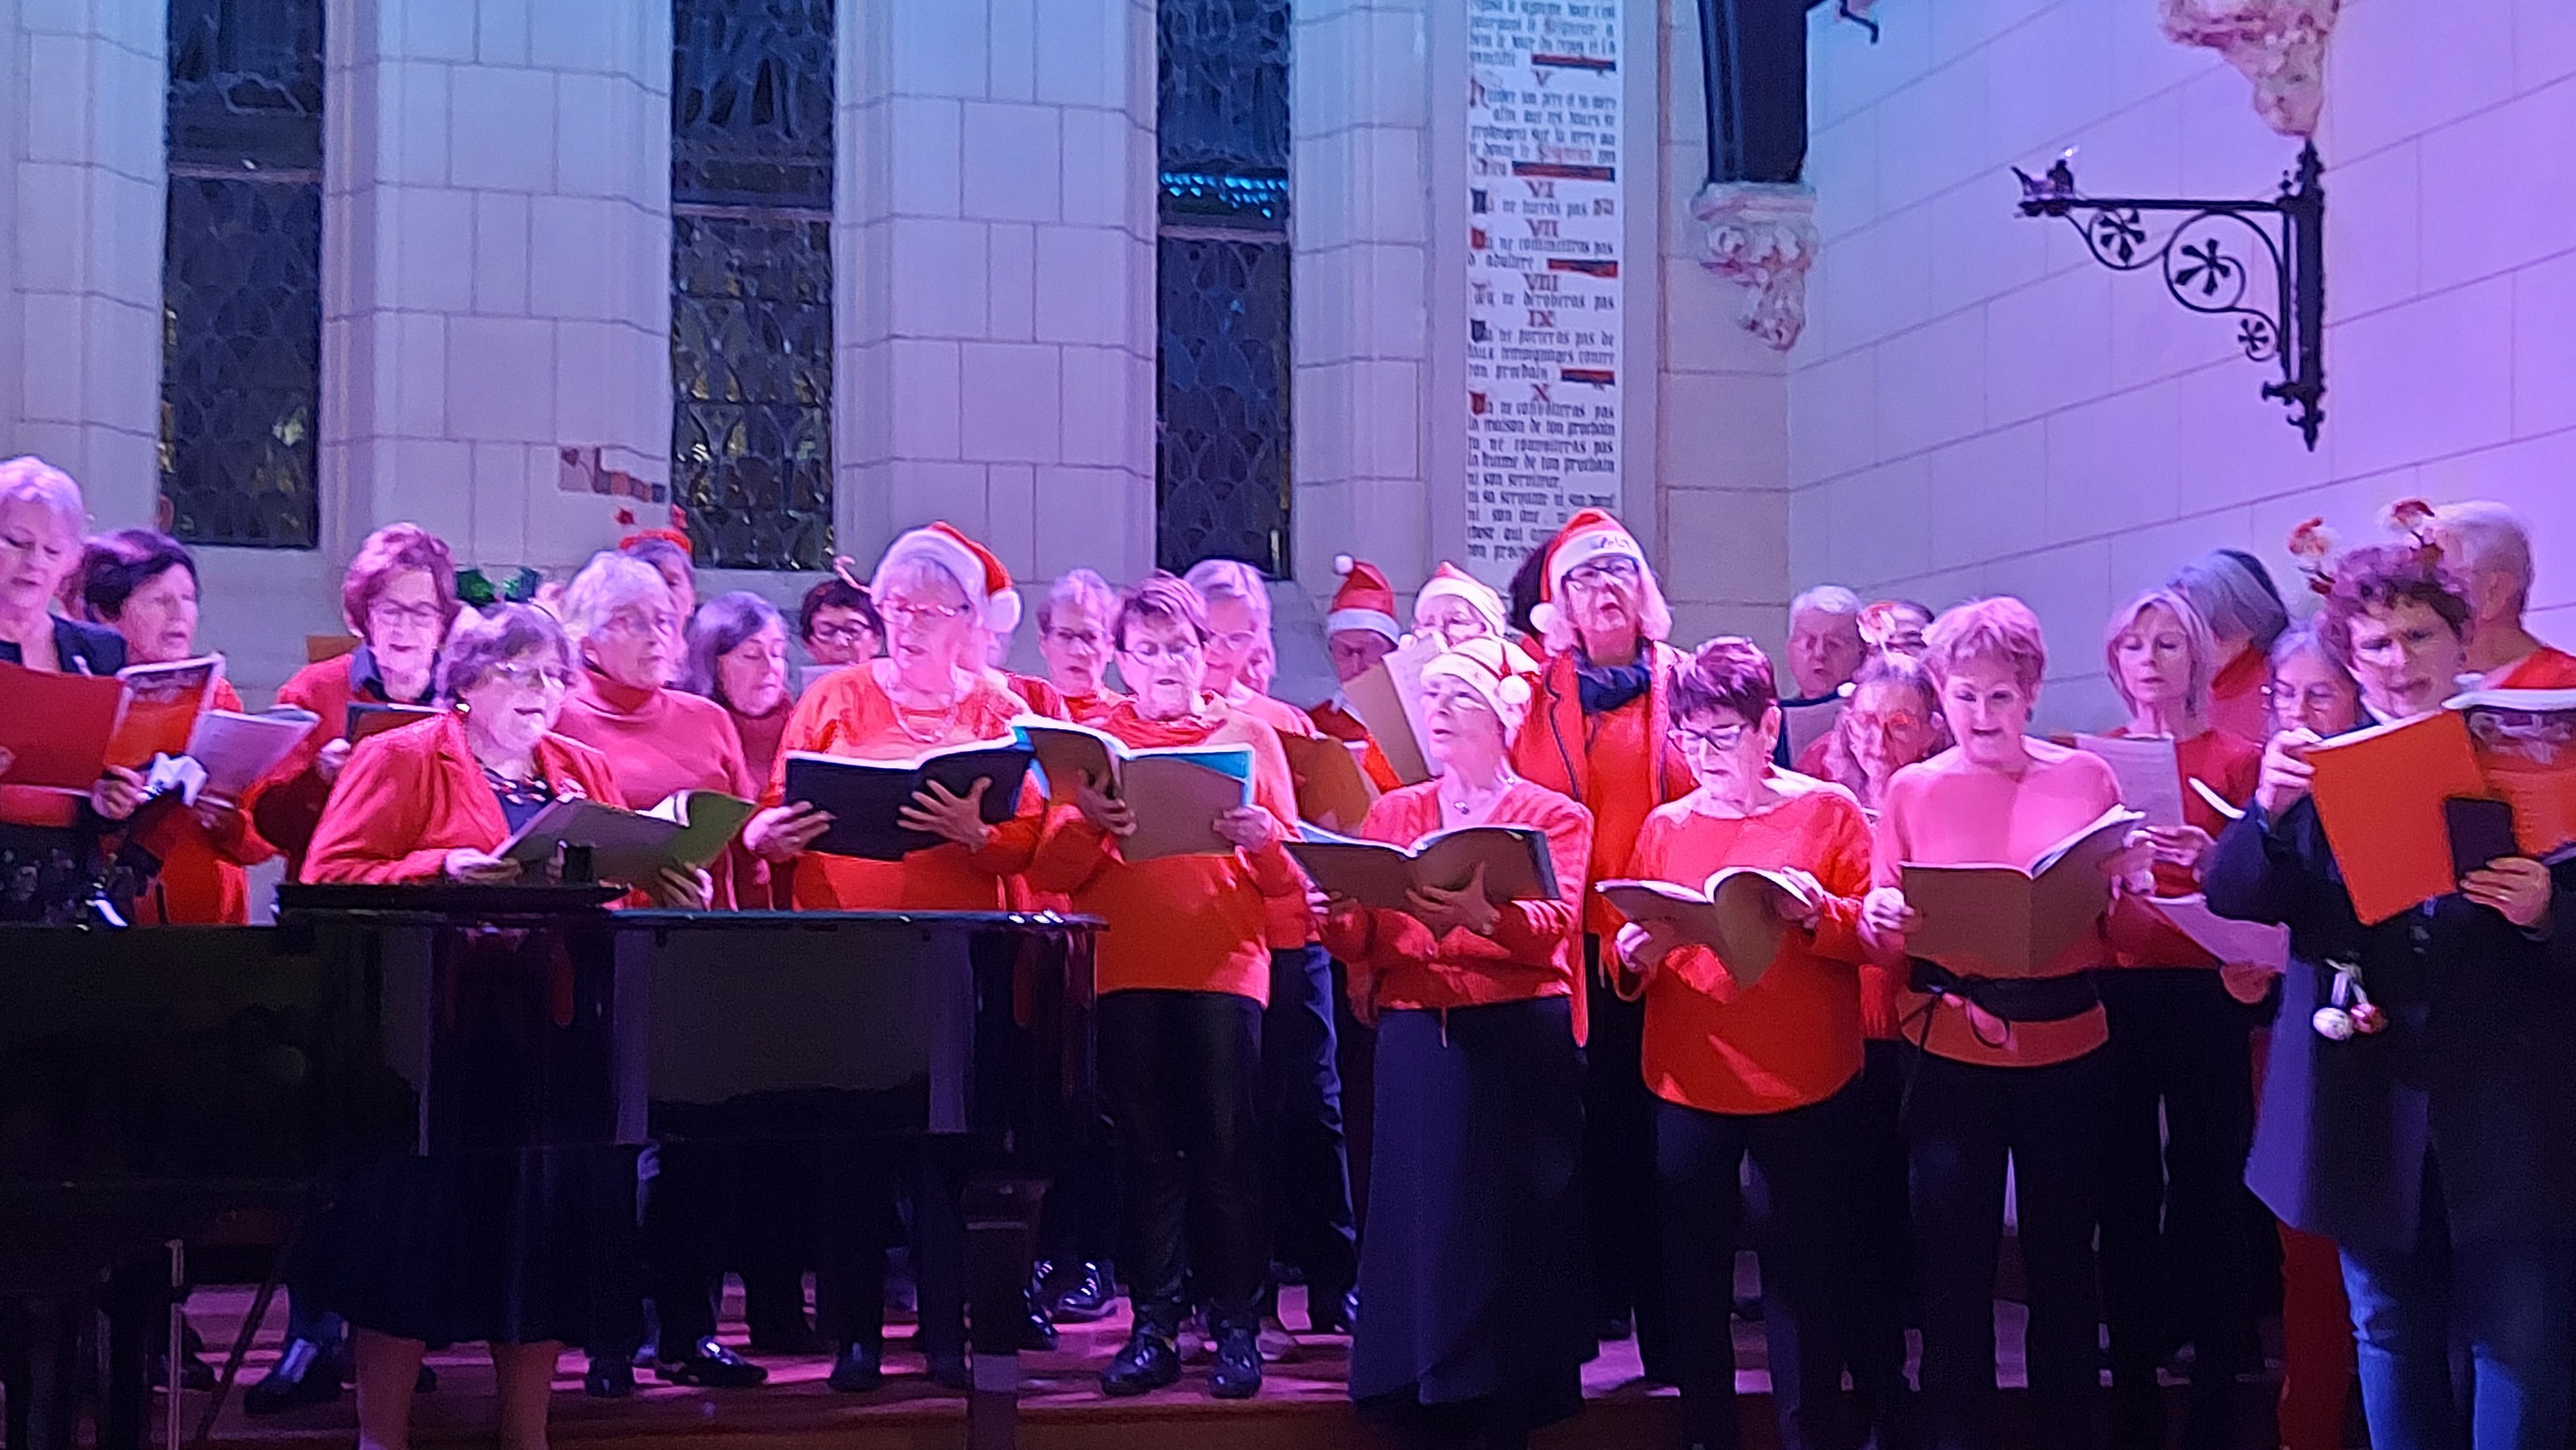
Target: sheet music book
column 2013, row 921
column 1177, row 792
column 866, row 797
column 1735, row 913
column 1378, row 873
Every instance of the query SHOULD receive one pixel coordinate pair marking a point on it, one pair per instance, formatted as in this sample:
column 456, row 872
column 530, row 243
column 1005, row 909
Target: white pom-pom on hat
column 1342, row 565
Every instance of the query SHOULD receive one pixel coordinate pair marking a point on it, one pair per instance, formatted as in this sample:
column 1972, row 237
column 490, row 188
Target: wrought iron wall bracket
column 2210, row 267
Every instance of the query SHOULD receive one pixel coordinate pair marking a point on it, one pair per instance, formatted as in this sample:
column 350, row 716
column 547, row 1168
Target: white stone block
column 2377, row 262
column 597, row 118
column 1881, row 521
column 496, row 114
column 412, row 137
column 2235, row 444
column 1098, row 179
column 1320, row 411
column 2069, row 588
column 576, row 259
column 430, row 482
column 2495, row 192
column 432, row 231
column 938, row 48
column 923, row 398
column 1107, row 422
column 1079, row 275
column 919, row 491
column 2111, row 464
column 1010, row 528
column 1723, row 431
column 1099, row 518
column 53, row 205
column 412, row 347
column 436, row 29
column 1726, row 546
column 1926, row 395
column 501, row 30
column 1988, row 496
column 1081, row 52
column 1397, row 195
column 1011, row 398
column 121, row 364
column 501, row 481
column 1011, row 295
column 2544, row 42
column 1386, row 420
column 1833, row 408
column 1934, row 134
column 59, row 82
column 2049, row 80
column 1010, row 158
column 2399, row 70
column 594, row 367
column 578, row 35
column 2544, row 351
column 939, row 274
column 500, row 253
column 500, row 380
column 2049, row 345
column 1011, row 41
column 922, row 155
column 2422, row 381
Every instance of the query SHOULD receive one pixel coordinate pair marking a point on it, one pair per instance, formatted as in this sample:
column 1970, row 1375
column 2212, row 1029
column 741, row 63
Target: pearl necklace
column 1476, row 804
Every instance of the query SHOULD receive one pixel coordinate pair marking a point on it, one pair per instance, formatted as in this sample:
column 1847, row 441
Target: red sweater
column 1794, row 1037
column 1182, row 923
column 1396, row 962
column 409, row 796
column 202, row 881
column 2542, row 669
column 1092, row 708
column 2236, row 702
column 288, row 805
column 1619, row 765
column 848, row 713
column 663, row 741
column 755, row 888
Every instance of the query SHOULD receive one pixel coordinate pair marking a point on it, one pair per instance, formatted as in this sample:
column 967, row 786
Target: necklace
column 1476, row 803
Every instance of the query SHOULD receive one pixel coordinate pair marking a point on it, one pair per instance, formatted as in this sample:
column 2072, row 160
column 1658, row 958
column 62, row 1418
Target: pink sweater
column 662, row 741
column 1948, row 812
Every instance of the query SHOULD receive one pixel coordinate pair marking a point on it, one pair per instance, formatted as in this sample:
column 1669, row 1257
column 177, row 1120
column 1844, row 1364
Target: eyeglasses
column 1078, row 638
column 1145, row 650
column 841, row 633
column 1895, row 721
column 1602, row 573
column 901, row 611
column 2312, row 697
column 1235, row 642
column 637, row 622
column 533, row 677
column 1714, row 739
column 381, row 615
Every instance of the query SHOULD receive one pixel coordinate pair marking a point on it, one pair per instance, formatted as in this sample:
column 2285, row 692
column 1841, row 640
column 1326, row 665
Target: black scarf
column 1604, row 688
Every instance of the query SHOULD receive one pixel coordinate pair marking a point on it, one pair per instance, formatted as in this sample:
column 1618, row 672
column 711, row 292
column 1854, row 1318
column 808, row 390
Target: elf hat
column 1364, row 601
column 987, row 583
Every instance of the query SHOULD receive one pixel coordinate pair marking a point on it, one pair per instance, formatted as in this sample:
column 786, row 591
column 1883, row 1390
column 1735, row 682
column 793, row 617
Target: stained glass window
column 241, row 335
column 1222, row 472
column 751, row 280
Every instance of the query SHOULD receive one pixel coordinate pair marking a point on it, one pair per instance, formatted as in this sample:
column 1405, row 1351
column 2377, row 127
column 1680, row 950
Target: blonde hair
column 38, row 482
column 608, row 583
column 1998, row 628
column 2196, row 637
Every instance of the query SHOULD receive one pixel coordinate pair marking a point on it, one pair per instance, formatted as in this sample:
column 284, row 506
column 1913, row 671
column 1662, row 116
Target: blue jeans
column 2505, row 1304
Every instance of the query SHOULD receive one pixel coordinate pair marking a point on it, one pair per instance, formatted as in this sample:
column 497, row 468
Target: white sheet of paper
column 2150, row 778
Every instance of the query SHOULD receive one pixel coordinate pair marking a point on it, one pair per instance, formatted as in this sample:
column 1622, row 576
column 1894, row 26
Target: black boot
column 857, row 1368
column 305, row 1374
column 609, row 1377
column 1329, row 1313
column 1147, row 1361
column 1237, row 1375
column 1037, row 1330
column 712, row 1365
column 1092, row 1294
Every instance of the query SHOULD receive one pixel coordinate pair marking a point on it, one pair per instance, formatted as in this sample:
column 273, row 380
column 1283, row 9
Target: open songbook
column 689, row 829
column 1377, row 873
column 62, row 731
column 1332, row 790
column 228, row 753
column 1737, row 913
column 2014, row 921
column 365, row 718
column 1176, row 791
column 866, row 797
column 1387, row 698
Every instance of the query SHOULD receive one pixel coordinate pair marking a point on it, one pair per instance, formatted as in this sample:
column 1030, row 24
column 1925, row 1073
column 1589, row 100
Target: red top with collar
column 409, row 796
column 2542, row 669
column 2236, row 702
column 664, row 741
column 1181, row 923
column 1794, row 1036
column 288, row 805
column 1396, row 962
column 1619, row 765
column 1092, row 708
column 202, row 882
column 848, row 713
column 755, row 886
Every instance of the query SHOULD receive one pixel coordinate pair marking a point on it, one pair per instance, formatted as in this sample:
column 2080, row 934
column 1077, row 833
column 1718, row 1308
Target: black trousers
column 1882, row 1282
column 1180, row 1073
column 859, row 1186
column 1619, row 1170
column 1309, row 1178
column 1804, row 1239
column 1961, row 1124
column 2178, row 1123
column 685, row 1212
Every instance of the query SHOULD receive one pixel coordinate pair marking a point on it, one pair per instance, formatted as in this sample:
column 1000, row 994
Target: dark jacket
column 83, row 649
column 2477, row 1070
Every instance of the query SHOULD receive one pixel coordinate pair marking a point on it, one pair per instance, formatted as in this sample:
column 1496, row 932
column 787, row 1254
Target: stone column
column 994, row 271
column 86, row 81
column 496, row 270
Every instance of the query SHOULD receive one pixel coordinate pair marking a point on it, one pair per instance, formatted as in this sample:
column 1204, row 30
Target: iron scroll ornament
column 2209, row 267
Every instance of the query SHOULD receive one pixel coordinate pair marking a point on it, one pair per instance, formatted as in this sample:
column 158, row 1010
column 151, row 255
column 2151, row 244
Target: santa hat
column 1588, row 536
column 1365, row 600
column 1491, row 668
column 987, row 583
column 1458, row 584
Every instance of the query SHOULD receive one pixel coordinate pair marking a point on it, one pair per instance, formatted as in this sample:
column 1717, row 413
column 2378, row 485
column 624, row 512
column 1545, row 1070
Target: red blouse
column 202, row 881
column 1534, row 951
column 409, row 796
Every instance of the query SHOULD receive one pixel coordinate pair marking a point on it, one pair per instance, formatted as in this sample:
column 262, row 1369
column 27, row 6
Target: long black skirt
column 1474, row 1304
column 507, row 1248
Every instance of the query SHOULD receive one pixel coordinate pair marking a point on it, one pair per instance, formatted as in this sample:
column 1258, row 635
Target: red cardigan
column 409, row 796
column 1619, row 766
column 202, row 882
column 1396, row 962
column 288, row 805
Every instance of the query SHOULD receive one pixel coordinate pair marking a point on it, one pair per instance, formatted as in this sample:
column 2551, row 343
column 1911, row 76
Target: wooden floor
column 1302, row 1406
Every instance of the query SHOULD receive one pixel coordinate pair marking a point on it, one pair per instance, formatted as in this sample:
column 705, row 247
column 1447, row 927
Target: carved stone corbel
column 2280, row 45
column 1762, row 237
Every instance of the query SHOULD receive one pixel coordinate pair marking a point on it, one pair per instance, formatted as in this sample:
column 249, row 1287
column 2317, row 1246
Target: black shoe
column 788, row 1336
column 1614, row 1327
column 949, row 1372
column 305, row 1374
column 714, row 1366
column 1237, row 1375
column 857, row 1368
column 609, row 1377
column 1147, row 1361
column 1037, row 1331
column 1093, row 1295
column 194, row 1373
column 1332, row 1313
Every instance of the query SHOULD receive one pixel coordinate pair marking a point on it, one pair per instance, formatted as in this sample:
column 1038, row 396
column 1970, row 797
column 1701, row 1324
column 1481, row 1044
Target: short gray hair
column 2480, row 537
column 33, row 479
column 1831, row 599
column 481, row 640
column 1084, row 587
column 2235, row 596
column 1222, row 579
column 609, row 582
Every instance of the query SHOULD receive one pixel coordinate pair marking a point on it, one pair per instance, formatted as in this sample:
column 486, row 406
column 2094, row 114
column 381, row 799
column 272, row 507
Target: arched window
column 1222, row 365
column 751, row 280
column 241, row 273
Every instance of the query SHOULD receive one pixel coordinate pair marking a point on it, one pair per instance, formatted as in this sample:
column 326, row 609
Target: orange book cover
column 2526, row 744
column 54, row 727
column 162, row 703
column 2379, row 795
